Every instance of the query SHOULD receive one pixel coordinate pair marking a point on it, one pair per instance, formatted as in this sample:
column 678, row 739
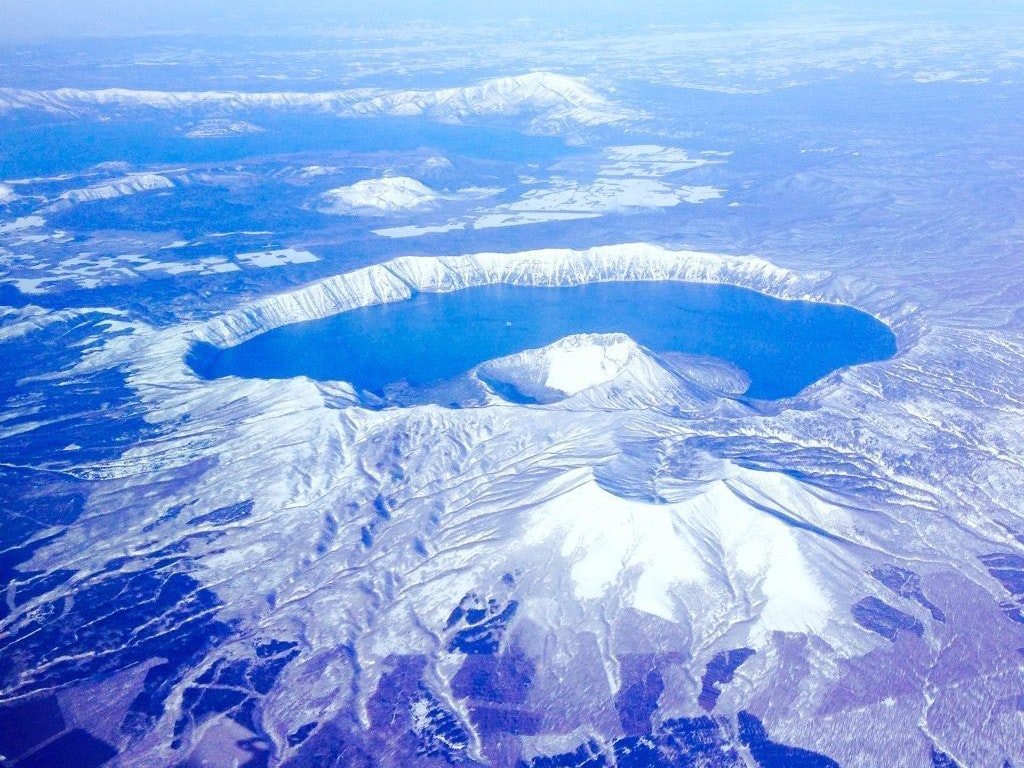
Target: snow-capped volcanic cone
column 605, row 371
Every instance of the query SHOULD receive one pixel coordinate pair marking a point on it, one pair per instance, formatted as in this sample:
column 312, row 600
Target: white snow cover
column 220, row 128
column 276, row 257
column 576, row 369
column 566, row 367
column 616, row 519
column 630, row 179
column 604, row 537
column 22, row 223
column 379, row 196
column 18, row 322
column 651, row 160
column 412, row 230
column 553, row 99
column 397, row 279
column 574, row 200
column 948, row 76
column 128, row 185
column 576, row 364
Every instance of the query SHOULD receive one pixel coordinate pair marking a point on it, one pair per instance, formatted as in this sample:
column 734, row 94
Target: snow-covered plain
column 584, row 554
column 629, row 179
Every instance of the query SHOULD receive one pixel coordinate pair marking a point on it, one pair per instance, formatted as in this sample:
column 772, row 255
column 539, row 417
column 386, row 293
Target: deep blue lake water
column 782, row 345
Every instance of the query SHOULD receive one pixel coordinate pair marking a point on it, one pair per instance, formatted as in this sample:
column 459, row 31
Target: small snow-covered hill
column 379, row 196
column 601, row 371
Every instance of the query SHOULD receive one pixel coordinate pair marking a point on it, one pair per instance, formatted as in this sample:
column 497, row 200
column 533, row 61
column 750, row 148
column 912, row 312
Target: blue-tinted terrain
column 33, row 147
column 740, row 488
column 782, row 345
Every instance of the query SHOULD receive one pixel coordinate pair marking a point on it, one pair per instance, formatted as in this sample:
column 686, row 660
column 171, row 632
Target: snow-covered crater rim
column 401, row 278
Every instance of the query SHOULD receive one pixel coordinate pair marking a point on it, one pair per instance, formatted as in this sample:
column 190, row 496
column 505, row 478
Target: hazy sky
column 34, row 19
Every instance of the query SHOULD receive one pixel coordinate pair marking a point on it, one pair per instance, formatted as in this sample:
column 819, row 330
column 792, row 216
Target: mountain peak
column 384, row 195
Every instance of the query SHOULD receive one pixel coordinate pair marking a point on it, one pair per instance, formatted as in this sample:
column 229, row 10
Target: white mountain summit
column 379, row 196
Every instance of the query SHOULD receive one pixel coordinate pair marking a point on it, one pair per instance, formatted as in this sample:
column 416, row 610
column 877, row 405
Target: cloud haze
column 40, row 19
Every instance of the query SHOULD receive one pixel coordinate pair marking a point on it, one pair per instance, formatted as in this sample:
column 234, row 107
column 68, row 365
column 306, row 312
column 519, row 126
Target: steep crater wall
column 400, row 278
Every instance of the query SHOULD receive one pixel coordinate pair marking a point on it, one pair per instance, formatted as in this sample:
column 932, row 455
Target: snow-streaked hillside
column 395, row 280
column 132, row 184
column 628, row 509
column 389, row 194
column 566, row 367
column 551, row 101
column 633, row 507
column 607, row 372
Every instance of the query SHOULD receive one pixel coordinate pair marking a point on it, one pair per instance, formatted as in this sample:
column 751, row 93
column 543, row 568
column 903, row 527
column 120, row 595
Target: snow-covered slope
column 29, row 319
column 389, row 194
column 599, row 371
column 131, row 184
column 557, row 97
column 397, row 279
column 634, row 518
column 550, row 100
column 564, row 368
column 603, row 537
